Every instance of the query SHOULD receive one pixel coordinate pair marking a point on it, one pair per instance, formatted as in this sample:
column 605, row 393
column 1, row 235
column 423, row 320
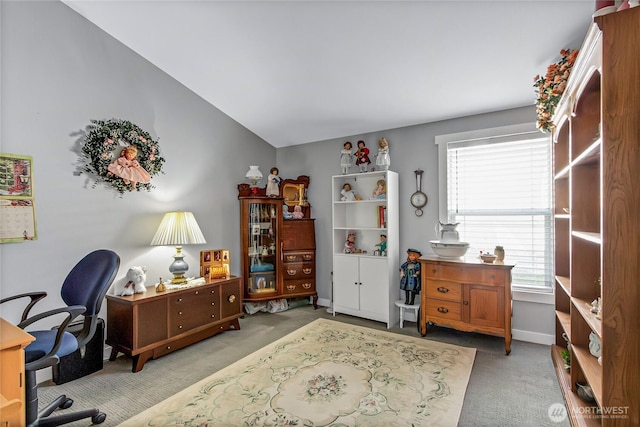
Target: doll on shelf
column 346, row 157
column 273, row 183
column 383, row 161
column 410, row 276
column 362, row 156
column 347, row 193
column 381, row 190
column 350, row 244
column 127, row 167
column 285, row 212
column 297, row 212
column 383, row 244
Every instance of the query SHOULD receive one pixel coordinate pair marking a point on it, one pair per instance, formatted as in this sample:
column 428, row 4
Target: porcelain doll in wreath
column 410, row 276
column 128, row 168
column 132, row 283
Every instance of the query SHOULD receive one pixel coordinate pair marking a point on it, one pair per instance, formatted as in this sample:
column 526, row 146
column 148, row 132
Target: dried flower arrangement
column 550, row 88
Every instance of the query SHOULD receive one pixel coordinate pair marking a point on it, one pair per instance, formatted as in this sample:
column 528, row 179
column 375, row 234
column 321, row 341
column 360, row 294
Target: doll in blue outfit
column 410, row 276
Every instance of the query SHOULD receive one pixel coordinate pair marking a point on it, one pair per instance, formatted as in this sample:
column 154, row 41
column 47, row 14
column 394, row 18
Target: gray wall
column 410, row 148
column 59, row 71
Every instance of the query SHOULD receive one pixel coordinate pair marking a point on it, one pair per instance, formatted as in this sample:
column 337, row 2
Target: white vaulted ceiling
column 302, row 71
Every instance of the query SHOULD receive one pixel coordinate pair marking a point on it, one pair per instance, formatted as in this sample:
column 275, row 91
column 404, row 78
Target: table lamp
column 178, row 228
column 254, row 176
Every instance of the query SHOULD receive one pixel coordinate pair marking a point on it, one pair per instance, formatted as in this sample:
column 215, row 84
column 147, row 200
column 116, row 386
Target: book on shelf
column 382, row 216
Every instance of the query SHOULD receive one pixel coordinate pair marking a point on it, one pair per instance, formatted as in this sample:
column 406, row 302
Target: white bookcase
column 364, row 284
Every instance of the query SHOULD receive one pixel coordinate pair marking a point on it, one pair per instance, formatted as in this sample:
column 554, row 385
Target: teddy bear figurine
column 132, row 283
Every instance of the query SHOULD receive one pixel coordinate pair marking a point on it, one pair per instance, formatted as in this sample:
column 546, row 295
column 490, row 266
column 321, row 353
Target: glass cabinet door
column 262, row 249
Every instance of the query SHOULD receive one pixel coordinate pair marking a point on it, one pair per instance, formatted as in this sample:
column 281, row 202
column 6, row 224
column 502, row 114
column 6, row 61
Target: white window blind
column 499, row 190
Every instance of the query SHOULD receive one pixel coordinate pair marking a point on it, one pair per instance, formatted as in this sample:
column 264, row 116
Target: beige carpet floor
column 328, row 373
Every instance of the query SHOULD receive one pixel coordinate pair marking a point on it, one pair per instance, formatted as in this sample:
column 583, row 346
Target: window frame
column 501, row 133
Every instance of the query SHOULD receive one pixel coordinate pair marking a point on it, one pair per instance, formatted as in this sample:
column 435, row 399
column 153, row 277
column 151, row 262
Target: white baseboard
column 534, row 337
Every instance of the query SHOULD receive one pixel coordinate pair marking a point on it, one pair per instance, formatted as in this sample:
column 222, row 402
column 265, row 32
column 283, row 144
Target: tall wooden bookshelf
column 597, row 223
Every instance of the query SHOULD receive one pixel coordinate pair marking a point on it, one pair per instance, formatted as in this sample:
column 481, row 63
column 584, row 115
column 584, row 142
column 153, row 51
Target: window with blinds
column 499, row 190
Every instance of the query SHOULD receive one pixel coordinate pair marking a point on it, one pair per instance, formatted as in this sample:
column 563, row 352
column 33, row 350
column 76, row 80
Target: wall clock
column 419, row 199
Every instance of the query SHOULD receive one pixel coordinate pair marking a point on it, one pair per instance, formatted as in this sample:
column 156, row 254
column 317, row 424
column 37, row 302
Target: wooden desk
column 150, row 325
column 13, row 340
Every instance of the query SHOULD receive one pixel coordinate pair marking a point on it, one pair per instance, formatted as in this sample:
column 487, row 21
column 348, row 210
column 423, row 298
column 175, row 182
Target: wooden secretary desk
column 278, row 255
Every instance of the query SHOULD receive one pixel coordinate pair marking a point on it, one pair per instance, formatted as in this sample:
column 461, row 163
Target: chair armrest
column 35, row 297
column 51, row 358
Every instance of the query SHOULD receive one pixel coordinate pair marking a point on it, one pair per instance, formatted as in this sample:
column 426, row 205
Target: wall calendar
column 17, row 209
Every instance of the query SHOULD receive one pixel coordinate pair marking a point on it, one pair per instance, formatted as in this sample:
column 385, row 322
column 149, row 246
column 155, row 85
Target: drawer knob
column 180, row 327
column 306, row 285
column 213, row 303
column 465, row 302
column 443, row 290
column 291, row 258
column 231, row 298
column 180, row 313
column 443, row 310
column 291, row 287
column 212, row 291
column 308, row 257
column 197, row 292
column 168, row 347
column 213, row 315
column 307, row 270
column 179, row 299
column 291, row 272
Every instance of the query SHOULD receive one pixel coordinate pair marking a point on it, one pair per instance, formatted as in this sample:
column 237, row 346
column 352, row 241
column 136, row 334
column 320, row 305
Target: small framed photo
column 255, row 229
column 206, row 257
column 215, row 264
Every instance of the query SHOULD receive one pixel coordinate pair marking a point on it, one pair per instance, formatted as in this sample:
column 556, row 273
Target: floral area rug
column 328, row 373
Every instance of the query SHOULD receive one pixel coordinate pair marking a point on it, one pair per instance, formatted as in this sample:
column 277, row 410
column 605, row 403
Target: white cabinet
column 365, row 283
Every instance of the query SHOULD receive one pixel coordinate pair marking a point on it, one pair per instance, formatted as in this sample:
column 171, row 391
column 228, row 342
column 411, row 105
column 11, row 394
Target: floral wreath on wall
column 550, row 88
column 122, row 155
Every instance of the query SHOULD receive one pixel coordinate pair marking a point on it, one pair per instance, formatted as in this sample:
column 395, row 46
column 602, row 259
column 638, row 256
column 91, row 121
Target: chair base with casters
column 83, row 291
column 43, row 418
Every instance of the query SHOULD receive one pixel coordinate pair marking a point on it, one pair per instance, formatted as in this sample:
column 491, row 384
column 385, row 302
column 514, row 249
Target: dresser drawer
column 299, row 270
column 444, row 309
column 466, row 274
column 299, row 286
column 443, row 289
column 194, row 308
column 303, row 256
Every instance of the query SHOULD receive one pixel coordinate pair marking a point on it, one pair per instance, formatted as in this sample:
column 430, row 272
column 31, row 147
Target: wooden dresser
column 299, row 259
column 13, row 340
column 150, row 325
column 466, row 295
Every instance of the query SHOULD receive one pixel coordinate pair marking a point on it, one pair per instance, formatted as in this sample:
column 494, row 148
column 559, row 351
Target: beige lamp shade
column 178, row 228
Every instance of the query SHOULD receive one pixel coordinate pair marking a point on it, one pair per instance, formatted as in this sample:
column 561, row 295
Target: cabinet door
column 484, row 305
column 346, row 282
column 374, row 288
column 260, row 231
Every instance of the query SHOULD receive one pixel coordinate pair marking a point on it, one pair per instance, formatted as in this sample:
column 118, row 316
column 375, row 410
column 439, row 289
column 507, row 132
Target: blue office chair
column 83, row 291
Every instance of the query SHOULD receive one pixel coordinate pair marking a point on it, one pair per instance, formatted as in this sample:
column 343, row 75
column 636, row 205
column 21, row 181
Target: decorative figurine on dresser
column 410, row 281
column 273, row 183
column 277, row 245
